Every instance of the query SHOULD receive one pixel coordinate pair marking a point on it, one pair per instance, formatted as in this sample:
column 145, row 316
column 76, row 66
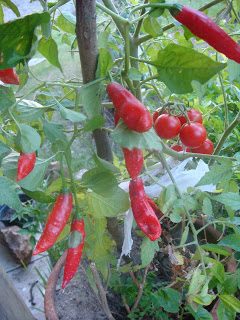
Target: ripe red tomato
column 178, row 148
column 193, row 114
column 205, row 148
column 156, row 114
column 167, row 127
column 193, row 134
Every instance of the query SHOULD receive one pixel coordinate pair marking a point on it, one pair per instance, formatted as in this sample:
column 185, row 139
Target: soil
column 78, row 301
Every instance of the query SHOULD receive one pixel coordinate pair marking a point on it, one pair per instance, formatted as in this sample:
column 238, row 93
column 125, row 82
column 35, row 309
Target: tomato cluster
column 192, row 134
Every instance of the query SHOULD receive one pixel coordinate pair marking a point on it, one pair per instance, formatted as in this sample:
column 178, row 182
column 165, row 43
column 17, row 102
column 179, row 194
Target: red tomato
column 193, row 134
column 205, row 148
column 193, row 114
column 178, row 148
column 167, row 127
column 156, row 114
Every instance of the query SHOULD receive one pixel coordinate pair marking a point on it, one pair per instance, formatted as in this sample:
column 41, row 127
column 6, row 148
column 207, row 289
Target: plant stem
column 127, row 50
column 225, row 101
column 111, row 13
column 224, row 137
column 26, row 94
column 62, row 173
column 57, row 5
column 139, row 24
column 146, row 80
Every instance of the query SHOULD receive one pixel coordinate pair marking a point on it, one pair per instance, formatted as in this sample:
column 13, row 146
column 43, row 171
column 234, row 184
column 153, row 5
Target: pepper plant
column 137, row 59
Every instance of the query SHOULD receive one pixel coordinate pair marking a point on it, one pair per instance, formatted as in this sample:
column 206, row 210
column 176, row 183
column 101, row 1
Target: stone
column 18, row 244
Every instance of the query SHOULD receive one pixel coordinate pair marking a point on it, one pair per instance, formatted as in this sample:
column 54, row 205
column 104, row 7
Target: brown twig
column 140, row 290
column 101, row 292
column 134, row 279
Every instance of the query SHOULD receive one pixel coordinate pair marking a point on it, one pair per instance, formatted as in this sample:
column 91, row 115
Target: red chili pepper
column 26, row 163
column 9, row 76
column 55, row 222
column 75, row 250
column 205, row 28
column 143, row 213
column 133, row 161
column 155, row 208
column 134, row 114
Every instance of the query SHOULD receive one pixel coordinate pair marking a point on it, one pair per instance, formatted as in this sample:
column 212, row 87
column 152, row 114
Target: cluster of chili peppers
column 136, row 116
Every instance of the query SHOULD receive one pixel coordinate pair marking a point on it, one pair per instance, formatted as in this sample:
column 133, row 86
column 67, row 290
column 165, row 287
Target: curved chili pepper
column 26, row 163
column 55, row 222
column 155, row 208
column 205, row 28
column 9, row 76
column 134, row 114
column 133, row 161
column 75, row 250
column 143, row 213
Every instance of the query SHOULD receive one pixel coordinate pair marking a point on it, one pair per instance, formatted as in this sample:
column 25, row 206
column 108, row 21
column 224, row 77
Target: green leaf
column 148, row 249
column 94, row 123
column 216, row 174
column 91, row 98
column 103, row 39
column 9, row 165
column 7, row 195
column 29, row 111
column 19, row 40
column 131, row 139
column 9, row 4
column 54, row 135
column 168, row 299
column 174, row 217
column 231, row 241
column 184, row 236
column 66, row 22
column 231, row 302
column 100, row 181
column 105, row 63
column 100, row 206
column 7, row 98
column 218, row 271
column 200, row 314
column 55, row 186
column 207, row 207
column 49, row 49
column 200, row 89
column 168, row 197
column 134, row 74
column 64, row 233
column 229, row 199
column 39, row 196
column 178, row 66
column 224, row 313
column 105, row 164
column 4, row 149
column 233, row 70
column 152, row 26
column 29, row 139
column 216, row 249
column 71, row 115
column 156, row 12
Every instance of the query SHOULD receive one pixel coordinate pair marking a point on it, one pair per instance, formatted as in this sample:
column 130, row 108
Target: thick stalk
column 135, row 64
column 86, row 30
